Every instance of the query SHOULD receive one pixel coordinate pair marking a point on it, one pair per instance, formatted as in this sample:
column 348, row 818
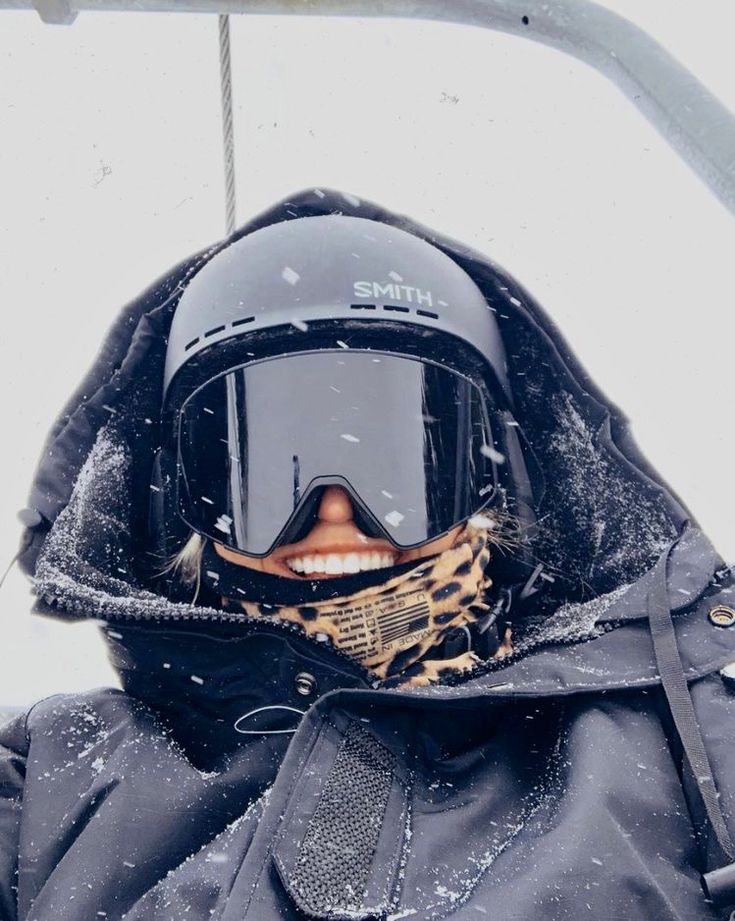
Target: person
column 405, row 624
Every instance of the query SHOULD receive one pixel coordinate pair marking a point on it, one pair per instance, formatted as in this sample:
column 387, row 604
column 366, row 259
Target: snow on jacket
column 552, row 784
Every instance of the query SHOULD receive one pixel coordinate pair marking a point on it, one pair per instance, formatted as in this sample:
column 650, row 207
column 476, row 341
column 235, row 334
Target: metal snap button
column 305, row 684
column 722, row 616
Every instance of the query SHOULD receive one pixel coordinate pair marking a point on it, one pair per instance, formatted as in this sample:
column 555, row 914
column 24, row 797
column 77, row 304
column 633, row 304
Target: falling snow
column 483, row 522
column 351, row 199
column 290, row 275
column 224, row 524
column 495, row 456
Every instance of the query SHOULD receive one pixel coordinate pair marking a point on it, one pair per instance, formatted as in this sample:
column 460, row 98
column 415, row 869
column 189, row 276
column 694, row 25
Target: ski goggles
column 410, row 441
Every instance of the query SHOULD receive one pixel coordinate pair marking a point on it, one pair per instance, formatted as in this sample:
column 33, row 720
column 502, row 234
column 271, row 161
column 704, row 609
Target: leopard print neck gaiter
column 391, row 629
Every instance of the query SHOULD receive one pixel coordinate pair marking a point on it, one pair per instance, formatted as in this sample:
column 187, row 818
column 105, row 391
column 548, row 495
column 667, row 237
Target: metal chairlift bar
column 690, row 118
column 55, row 12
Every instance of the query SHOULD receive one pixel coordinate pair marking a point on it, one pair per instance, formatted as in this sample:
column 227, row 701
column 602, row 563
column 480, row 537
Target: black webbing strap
column 671, row 670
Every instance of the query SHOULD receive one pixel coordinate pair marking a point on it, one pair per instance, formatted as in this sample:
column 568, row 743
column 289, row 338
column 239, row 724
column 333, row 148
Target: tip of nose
column 335, row 504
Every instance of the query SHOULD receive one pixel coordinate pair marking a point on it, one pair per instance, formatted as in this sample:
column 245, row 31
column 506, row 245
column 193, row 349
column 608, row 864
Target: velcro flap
column 340, row 851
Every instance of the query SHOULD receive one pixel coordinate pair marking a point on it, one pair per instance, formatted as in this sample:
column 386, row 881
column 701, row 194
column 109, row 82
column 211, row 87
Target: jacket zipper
column 347, row 663
column 288, row 629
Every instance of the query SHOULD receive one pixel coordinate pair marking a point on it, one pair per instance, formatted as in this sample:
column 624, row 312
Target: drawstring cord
column 25, row 543
column 266, row 732
column 9, row 567
column 718, row 883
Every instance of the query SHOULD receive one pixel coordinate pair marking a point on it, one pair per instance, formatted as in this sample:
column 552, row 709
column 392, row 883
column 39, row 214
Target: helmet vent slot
column 396, row 309
column 217, row 329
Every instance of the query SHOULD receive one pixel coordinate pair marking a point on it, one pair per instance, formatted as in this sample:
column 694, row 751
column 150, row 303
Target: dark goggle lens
column 409, row 440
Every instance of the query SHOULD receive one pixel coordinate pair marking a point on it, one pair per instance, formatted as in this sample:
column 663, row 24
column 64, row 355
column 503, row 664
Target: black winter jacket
column 575, row 779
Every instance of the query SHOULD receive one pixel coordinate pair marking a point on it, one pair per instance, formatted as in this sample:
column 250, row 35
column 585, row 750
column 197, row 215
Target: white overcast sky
column 111, row 171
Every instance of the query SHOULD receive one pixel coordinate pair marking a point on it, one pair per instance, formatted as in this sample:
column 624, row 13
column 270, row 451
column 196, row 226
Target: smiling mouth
column 336, row 564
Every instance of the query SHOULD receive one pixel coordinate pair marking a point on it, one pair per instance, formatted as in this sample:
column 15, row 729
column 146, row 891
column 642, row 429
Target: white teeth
column 339, row 563
column 351, row 563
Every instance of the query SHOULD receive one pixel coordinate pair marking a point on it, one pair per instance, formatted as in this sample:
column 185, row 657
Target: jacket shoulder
column 81, row 708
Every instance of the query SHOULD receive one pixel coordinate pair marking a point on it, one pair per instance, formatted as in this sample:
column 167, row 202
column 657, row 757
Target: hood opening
column 604, row 518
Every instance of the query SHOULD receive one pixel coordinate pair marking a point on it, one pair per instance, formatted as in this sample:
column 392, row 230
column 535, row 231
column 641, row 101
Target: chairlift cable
column 228, row 138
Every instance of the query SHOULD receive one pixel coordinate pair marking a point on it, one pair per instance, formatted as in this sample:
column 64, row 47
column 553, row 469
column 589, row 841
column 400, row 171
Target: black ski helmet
column 276, row 321
column 335, row 268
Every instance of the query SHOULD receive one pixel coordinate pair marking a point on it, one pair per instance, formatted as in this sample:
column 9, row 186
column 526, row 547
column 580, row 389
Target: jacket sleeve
column 13, row 753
